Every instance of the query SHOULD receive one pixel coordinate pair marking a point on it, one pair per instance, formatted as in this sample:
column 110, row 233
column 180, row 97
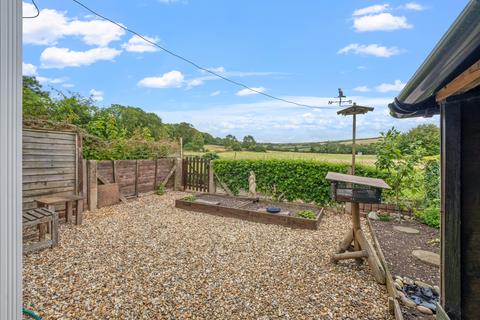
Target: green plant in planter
column 191, row 198
column 161, row 190
column 384, row 217
column 307, row 214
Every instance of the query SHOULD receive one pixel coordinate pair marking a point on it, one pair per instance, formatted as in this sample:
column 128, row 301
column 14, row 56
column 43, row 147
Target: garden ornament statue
column 252, row 185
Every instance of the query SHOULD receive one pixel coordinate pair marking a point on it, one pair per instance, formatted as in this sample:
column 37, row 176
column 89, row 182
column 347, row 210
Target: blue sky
column 299, row 50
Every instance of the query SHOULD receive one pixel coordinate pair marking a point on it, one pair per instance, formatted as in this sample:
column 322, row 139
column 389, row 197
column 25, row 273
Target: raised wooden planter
column 252, row 215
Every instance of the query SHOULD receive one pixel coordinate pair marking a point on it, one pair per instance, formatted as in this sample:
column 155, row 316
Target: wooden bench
column 41, row 217
column 50, row 201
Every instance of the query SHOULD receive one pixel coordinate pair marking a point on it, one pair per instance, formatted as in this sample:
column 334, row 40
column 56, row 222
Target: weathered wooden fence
column 51, row 164
column 137, row 176
column 196, row 174
column 129, row 178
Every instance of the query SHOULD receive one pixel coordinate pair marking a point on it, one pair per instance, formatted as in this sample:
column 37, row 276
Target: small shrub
column 211, row 156
column 307, row 214
column 429, row 216
column 384, row 217
column 161, row 189
column 191, row 198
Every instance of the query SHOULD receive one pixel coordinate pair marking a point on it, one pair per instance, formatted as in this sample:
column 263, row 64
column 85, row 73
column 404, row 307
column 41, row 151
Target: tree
column 249, row 142
column 230, row 141
column 36, row 102
column 425, row 135
column 398, row 161
column 130, row 118
column 196, row 143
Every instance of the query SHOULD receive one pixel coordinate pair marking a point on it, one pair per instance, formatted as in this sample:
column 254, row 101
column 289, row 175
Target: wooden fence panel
column 136, row 176
column 50, row 164
column 196, row 174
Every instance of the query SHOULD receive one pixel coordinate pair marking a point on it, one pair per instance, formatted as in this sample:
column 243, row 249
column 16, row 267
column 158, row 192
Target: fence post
column 212, row 188
column 178, row 175
column 136, row 178
column 92, row 184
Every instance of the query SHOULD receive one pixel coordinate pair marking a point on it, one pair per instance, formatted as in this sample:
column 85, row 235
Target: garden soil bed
column 247, row 209
column 398, row 246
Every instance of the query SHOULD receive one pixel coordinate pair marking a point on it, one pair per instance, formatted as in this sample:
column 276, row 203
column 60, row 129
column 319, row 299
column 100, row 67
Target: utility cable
column 153, row 43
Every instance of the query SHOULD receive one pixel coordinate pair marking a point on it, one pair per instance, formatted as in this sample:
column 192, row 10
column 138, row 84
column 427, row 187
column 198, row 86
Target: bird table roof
column 355, row 109
column 371, row 182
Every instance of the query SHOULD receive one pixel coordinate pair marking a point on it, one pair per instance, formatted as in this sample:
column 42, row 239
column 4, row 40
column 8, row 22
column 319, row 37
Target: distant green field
column 326, row 157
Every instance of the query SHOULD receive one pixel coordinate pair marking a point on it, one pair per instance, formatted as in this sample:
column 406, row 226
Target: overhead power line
column 153, row 43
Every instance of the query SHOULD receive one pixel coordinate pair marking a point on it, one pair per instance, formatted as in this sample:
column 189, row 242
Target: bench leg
column 42, row 230
column 54, row 231
column 69, row 211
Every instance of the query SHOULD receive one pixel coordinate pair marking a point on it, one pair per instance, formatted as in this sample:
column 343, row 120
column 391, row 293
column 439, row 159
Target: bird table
column 355, row 189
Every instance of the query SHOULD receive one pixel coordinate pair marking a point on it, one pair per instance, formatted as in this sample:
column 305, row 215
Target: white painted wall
column 10, row 159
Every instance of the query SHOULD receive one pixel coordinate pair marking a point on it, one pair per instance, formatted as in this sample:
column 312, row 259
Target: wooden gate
column 196, row 174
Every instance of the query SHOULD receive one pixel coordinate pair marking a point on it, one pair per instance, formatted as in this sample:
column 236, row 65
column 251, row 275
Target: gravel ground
column 148, row 260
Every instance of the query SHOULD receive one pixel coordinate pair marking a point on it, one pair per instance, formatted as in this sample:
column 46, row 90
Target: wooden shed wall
column 136, row 176
column 50, row 164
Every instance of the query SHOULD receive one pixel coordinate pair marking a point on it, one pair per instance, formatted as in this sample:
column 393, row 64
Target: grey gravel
column 148, row 260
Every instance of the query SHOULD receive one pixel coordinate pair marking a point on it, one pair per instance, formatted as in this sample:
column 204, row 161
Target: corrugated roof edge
column 458, row 49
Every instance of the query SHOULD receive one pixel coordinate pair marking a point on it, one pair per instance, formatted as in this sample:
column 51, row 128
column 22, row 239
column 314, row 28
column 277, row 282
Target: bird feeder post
column 353, row 110
column 357, row 190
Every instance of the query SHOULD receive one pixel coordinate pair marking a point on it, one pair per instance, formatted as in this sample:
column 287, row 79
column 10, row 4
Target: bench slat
column 44, row 211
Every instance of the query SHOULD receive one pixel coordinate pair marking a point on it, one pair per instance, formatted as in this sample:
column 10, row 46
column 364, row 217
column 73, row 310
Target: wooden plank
column 48, row 184
column 466, row 81
column 46, row 152
column 92, row 184
column 49, row 171
column 136, row 177
column 451, row 220
column 39, row 192
column 48, row 164
column 172, row 171
column 49, row 177
column 470, row 208
column 47, row 140
column 47, row 146
column 57, row 135
column 50, row 158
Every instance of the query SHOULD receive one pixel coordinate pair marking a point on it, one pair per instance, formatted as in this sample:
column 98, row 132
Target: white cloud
column 215, row 93
column 289, row 123
column 68, row 85
column 137, row 44
column 29, row 69
column 371, row 49
column 361, row 68
column 45, row 80
column 52, row 25
column 195, row 82
column 248, row 92
column 172, row 79
column 168, row 1
column 396, row 86
column 54, row 57
column 96, row 95
column 362, row 89
column 371, row 9
column 94, row 32
column 414, row 6
column 380, row 22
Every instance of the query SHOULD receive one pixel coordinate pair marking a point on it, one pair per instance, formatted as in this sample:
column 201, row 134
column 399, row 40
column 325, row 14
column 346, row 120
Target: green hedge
column 295, row 179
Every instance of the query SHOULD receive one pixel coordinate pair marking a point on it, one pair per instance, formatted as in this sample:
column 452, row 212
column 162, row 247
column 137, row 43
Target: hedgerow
column 294, row 179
